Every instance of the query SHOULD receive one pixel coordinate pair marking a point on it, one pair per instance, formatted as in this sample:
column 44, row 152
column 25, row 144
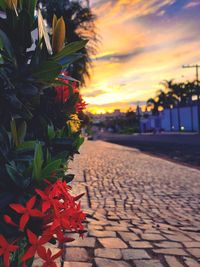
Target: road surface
column 183, row 148
column 143, row 211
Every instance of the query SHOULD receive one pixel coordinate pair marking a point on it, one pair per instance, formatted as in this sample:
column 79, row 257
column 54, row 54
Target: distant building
column 99, row 118
column 116, row 113
column 172, row 120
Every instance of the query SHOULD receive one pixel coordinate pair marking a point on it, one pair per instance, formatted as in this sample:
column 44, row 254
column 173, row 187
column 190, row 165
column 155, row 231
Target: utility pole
column 197, row 80
column 193, row 66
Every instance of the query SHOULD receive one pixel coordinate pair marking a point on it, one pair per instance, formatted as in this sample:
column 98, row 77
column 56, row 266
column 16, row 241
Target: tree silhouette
column 80, row 24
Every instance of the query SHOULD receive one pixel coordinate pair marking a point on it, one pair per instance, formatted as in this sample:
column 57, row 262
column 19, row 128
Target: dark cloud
column 120, row 104
column 94, row 93
column 121, row 57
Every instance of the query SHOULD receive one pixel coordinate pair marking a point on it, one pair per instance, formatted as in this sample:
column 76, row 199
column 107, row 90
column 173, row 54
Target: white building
column 169, row 120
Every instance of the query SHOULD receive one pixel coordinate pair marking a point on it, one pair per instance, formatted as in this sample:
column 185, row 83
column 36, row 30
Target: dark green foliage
column 34, row 145
column 80, row 22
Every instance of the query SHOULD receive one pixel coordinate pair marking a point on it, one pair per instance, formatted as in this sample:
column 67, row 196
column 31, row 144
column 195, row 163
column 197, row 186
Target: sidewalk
column 143, row 211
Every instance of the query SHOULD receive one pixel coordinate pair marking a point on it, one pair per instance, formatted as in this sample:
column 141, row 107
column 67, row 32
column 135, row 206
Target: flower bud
column 55, row 20
column 11, row 4
column 58, row 34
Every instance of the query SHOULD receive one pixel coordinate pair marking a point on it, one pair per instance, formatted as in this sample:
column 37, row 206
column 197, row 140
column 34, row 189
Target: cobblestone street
column 142, row 211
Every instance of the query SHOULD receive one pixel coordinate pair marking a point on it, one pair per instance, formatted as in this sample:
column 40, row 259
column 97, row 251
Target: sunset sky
column 143, row 42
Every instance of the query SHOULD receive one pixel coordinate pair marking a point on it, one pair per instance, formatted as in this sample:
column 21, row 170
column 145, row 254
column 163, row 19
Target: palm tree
column 190, row 87
column 154, row 105
column 80, row 24
column 162, row 98
column 176, row 91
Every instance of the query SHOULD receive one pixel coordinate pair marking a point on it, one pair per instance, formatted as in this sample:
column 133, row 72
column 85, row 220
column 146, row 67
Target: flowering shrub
column 67, row 91
column 40, row 131
column 56, row 211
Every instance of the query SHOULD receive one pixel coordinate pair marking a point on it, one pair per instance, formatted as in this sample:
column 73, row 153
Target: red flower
column 5, row 250
column 8, row 220
column 47, row 200
column 62, row 92
column 36, row 244
column 27, row 212
column 81, row 105
column 60, row 211
column 61, row 235
column 46, row 255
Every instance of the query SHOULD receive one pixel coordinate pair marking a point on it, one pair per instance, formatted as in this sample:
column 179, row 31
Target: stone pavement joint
column 142, row 211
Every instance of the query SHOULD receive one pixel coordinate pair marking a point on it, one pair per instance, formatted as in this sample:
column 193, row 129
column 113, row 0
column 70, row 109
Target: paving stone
column 108, row 253
column 140, row 244
column 191, row 262
column 128, row 236
column 192, row 244
column 38, row 262
column 172, row 251
column 152, row 237
column 77, row 264
column 95, row 227
column 76, row 254
column 148, row 263
column 179, row 238
column 102, row 233
column 173, row 262
column 101, row 223
column 136, row 231
column 195, row 236
column 134, row 254
column 116, row 228
column 112, row 243
column 194, row 251
column 149, row 197
column 85, row 242
column 166, row 244
column 110, row 263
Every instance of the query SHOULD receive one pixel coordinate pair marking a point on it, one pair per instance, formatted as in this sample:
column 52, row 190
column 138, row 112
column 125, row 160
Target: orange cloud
column 141, row 46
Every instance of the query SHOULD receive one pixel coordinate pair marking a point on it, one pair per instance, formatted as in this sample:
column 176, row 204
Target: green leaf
column 27, row 145
column 79, row 141
column 63, row 141
column 63, row 156
column 22, row 132
column 2, row 4
column 31, row 8
column 48, row 156
column 7, row 45
column 14, row 132
column 4, row 144
column 68, row 178
column 17, row 177
column 53, row 241
column 24, row 30
column 48, row 71
column 50, row 168
column 58, row 83
column 70, row 49
column 51, row 132
column 37, row 162
column 67, row 60
column 1, row 43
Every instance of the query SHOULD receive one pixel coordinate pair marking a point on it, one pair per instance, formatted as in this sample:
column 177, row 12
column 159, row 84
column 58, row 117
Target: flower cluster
column 67, row 90
column 59, row 213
